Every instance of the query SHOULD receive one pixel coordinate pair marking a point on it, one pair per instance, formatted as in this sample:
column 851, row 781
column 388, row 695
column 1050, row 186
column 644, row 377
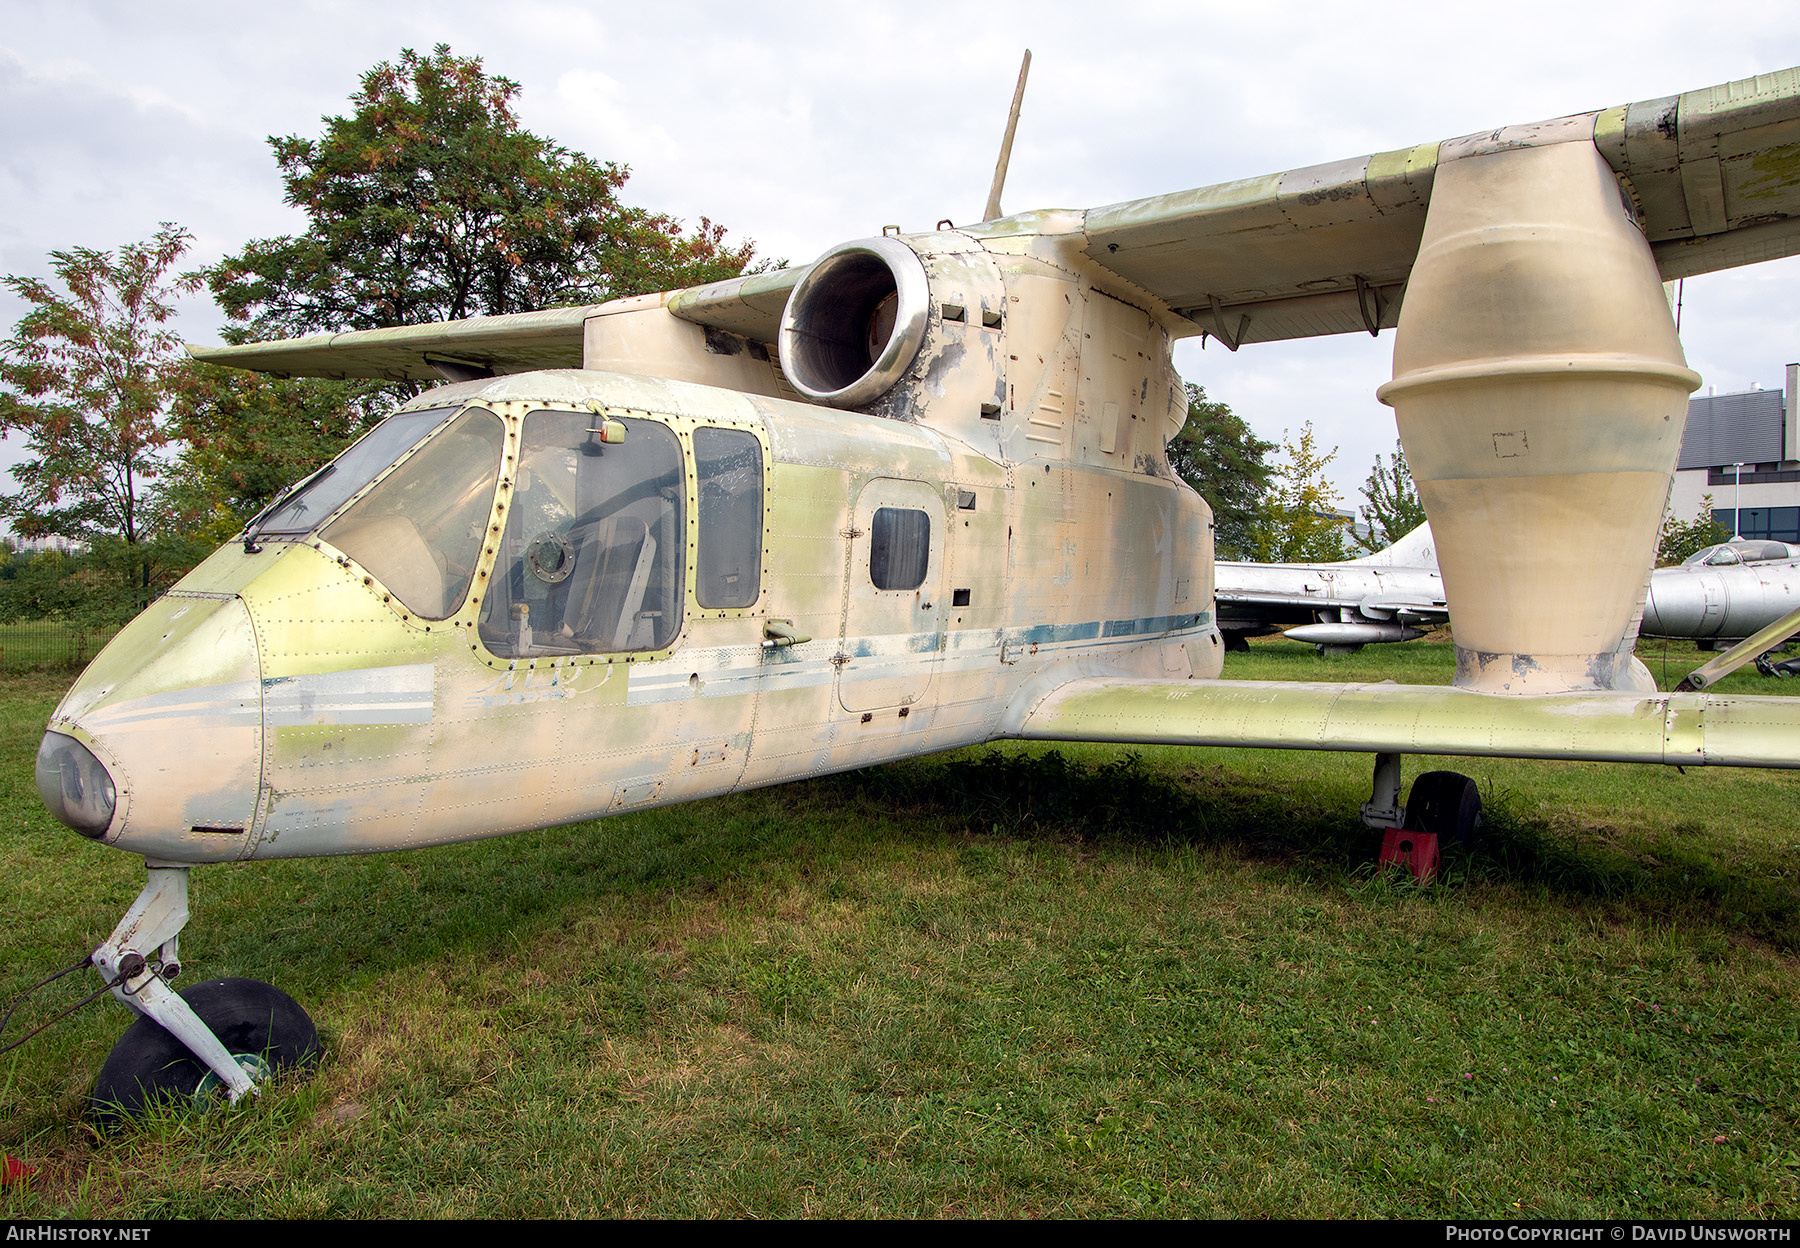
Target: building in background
column 1744, row 450
column 37, row 545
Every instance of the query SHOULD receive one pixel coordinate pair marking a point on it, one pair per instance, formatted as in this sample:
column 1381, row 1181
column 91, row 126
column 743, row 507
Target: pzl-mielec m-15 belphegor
column 914, row 496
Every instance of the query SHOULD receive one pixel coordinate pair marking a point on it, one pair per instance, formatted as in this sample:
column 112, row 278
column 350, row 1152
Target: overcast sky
column 803, row 125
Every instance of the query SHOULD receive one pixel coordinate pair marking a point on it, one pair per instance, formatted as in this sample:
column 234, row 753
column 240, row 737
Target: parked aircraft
column 1716, row 596
column 1723, row 593
column 914, row 496
column 1339, row 607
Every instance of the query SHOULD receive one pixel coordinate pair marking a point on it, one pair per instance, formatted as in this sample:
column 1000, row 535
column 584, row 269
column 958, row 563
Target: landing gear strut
column 260, row 1026
column 225, row 1034
column 1443, row 809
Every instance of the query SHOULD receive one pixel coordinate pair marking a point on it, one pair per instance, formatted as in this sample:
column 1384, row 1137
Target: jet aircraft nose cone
column 169, row 716
column 1676, row 604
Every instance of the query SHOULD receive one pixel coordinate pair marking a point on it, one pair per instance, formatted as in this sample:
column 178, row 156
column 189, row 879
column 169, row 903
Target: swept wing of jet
column 914, row 496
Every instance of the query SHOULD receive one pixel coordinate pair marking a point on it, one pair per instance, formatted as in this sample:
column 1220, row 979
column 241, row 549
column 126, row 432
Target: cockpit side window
column 419, row 530
column 592, row 557
column 729, row 473
column 304, row 508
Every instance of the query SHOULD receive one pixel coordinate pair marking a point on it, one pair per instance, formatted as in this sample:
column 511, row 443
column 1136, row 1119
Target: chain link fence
column 49, row 645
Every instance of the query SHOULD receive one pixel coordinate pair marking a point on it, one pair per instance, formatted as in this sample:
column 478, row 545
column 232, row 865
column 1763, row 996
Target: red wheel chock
column 1417, row 852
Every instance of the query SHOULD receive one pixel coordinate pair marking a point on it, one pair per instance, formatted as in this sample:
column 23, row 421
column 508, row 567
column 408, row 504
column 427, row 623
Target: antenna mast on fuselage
column 992, row 211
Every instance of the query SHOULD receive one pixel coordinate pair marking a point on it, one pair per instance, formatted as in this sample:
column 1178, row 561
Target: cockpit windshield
column 592, row 552
column 303, row 508
column 1739, row 550
column 419, row 530
column 1712, row 556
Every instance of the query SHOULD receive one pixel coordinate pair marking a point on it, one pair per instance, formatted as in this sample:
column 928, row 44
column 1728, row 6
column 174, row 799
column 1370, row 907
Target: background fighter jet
column 1721, row 594
column 1724, row 592
column 1339, row 607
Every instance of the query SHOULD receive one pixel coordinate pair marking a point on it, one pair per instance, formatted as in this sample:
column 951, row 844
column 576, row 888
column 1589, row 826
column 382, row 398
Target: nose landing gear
column 262, row 1028
column 225, row 1034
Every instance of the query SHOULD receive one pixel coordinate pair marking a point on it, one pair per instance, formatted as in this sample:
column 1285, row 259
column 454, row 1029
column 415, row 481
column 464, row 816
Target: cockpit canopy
column 1737, row 551
column 589, row 547
column 591, row 556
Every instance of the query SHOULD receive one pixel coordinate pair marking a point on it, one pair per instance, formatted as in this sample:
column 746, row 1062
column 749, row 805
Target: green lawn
column 1011, row 981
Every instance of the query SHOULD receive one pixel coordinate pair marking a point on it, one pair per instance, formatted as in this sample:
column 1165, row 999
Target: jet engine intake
column 855, row 322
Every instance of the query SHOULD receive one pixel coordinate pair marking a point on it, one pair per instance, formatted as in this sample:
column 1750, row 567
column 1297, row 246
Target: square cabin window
column 899, row 548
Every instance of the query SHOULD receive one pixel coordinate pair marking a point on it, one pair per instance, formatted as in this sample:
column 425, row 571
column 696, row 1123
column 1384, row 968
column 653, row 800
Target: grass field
column 1007, row 982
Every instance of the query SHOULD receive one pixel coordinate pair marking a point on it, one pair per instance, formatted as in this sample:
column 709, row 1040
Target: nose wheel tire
column 259, row 1025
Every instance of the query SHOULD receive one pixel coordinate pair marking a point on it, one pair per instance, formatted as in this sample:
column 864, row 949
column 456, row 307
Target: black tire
column 1446, row 803
column 251, row 1018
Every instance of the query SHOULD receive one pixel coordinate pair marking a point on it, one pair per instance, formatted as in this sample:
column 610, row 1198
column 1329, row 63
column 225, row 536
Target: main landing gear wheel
column 1446, row 803
column 260, row 1025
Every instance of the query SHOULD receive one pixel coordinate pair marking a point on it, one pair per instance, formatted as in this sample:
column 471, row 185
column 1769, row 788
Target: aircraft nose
column 1676, row 604
column 158, row 747
column 75, row 786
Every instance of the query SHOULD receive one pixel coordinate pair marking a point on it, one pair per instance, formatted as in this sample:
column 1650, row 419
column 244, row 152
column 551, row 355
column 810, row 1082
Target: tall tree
column 1681, row 538
column 1299, row 522
column 86, row 375
column 429, row 203
column 246, row 435
column 1219, row 455
column 1391, row 507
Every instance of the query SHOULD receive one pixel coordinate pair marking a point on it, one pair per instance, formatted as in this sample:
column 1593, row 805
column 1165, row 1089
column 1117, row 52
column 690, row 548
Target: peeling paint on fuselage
column 366, row 728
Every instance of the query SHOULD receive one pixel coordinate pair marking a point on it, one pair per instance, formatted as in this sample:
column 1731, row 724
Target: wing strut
column 1722, row 665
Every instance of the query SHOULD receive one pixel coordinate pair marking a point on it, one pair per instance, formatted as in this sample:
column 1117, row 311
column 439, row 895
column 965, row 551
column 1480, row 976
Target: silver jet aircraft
column 1338, row 607
column 915, row 496
column 1725, row 592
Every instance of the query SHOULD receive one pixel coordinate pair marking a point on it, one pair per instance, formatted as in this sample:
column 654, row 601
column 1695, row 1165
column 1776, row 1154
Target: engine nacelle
column 997, row 337
column 856, row 322
column 911, row 328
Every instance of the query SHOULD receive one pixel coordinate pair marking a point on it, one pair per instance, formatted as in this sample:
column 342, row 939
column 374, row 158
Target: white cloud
column 802, row 125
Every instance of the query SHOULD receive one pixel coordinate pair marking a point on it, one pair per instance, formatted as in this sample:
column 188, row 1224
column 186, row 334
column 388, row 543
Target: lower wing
column 1685, row 729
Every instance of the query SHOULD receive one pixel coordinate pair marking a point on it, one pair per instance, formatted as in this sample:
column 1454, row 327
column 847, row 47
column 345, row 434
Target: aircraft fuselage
column 290, row 701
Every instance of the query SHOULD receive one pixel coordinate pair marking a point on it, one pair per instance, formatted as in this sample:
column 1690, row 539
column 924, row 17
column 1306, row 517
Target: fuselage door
column 893, row 620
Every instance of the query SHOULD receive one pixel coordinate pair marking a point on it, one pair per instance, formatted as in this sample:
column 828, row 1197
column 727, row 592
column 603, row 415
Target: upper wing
column 487, row 346
column 1677, row 728
column 1327, row 250
column 1322, row 250
column 482, row 346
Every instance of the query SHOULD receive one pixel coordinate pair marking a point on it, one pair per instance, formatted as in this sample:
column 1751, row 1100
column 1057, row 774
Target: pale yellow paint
column 1540, row 393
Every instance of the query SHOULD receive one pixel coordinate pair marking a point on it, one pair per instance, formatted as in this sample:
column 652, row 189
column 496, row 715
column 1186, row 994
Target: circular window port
column 550, row 557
